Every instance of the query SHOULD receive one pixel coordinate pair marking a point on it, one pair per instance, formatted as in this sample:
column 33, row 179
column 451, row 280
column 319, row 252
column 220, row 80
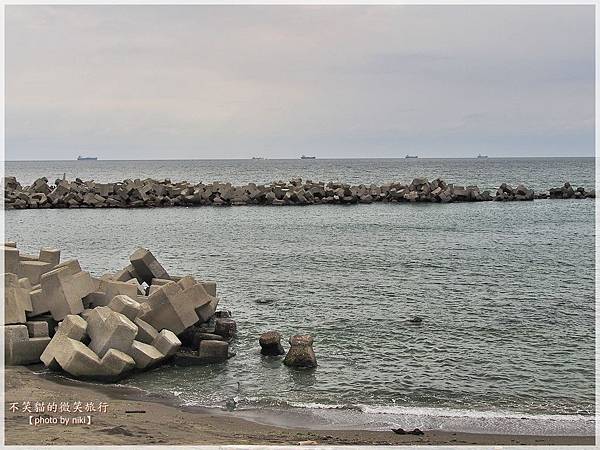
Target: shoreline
column 158, row 419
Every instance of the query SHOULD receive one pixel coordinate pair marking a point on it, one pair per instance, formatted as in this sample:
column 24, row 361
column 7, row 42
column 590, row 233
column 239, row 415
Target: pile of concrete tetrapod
column 105, row 328
column 164, row 193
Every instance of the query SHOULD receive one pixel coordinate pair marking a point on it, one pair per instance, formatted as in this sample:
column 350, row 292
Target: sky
column 178, row 82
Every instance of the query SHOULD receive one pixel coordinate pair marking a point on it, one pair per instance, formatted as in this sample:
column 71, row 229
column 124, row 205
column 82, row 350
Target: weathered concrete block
column 116, row 362
column 24, row 294
column 63, row 292
column 173, row 308
column 226, row 328
column 301, row 353
column 146, row 265
column 192, row 336
column 94, row 299
column 123, row 274
column 167, row 343
column 213, row 351
column 16, row 299
column 15, row 333
column 74, row 327
column 82, row 284
column 50, row 255
column 49, row 320
column 12, row 262
column 73, row 356
column 140, row 289
column 206, row 311
column 270, row 343
column 66, row 351
column 37, row 329
column 153, row 288
column 210, row 287
column 20, row 348
column 71, row 266
column 112, row 288
column 126, row 306
column 39, row 305
column 185, row 282
column 146, row 332
column 160, row 281
column 34, row 270
column 144, row 355
column 109, row 329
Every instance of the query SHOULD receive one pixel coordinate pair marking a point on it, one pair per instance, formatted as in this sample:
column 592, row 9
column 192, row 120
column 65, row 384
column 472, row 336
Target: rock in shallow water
column 270, row 343
column 301, row 353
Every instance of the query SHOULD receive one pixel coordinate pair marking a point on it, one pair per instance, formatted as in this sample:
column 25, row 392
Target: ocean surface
column 505, row 290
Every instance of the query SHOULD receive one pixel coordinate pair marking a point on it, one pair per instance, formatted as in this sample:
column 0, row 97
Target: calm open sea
column 506, row 290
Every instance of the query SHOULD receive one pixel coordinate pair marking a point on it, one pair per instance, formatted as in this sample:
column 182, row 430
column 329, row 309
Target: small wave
column 334, row 416
column 468, row 413
column 324, row 406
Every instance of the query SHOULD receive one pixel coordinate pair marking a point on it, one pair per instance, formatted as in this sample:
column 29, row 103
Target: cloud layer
column 150, row 82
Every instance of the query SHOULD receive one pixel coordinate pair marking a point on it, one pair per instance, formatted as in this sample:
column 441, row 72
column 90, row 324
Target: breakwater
column 165, row 193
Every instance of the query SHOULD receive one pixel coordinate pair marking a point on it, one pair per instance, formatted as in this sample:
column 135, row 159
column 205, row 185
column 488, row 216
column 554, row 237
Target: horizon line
column 299, row 159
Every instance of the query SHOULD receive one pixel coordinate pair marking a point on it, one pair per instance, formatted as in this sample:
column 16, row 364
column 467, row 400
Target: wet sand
column 136, row 418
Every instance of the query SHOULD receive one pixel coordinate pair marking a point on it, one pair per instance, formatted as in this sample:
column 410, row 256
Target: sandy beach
column 132, row 417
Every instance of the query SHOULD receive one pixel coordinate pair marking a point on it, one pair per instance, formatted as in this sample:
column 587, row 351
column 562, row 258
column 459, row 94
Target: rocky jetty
column 105, row 328
column 153, row 193
column 567, row 191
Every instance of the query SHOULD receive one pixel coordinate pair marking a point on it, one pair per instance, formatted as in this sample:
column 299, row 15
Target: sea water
column 505, row 291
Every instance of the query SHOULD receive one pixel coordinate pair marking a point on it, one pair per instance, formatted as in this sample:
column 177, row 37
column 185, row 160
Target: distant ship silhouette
column 411, row 156
column 481, row 156
column 87, row 158
column 308, row 157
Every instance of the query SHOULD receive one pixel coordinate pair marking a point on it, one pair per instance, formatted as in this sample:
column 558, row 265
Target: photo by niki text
column 57, row 413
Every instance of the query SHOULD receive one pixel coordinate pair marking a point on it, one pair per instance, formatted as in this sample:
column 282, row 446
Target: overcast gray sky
column 153, row 82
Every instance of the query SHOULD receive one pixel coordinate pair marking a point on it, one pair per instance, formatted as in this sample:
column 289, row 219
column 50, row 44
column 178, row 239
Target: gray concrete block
column 146, row 265
column 210, row 287
column 63, row 296
column 73, row 356
column 116, row 362
column 50, row 255
column 20, row 348
column 34, row 270
column 74, row 327
column 111, row 288
column 167, row 343
column 39, row 305
column 12, row 261
column 16, row 299
column 51, row 324
column 146, row 332
column 37, row 329
column 213, row 351
column 144, row 355
column 205, row 312
column 109, row 329
column 125, row 305
column 173, row 308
